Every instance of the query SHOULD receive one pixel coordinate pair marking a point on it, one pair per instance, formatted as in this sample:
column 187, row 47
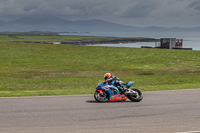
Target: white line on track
column 190, row 132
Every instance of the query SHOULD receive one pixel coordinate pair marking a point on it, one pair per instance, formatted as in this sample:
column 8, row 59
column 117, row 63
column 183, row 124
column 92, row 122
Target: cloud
column 139, row 9
column 130, row 12
column 65, row 8
column 168, row 13
column 195, row 5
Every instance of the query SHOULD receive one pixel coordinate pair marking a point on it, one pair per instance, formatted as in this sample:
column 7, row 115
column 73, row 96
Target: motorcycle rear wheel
column 135, row 97
column 101, row 97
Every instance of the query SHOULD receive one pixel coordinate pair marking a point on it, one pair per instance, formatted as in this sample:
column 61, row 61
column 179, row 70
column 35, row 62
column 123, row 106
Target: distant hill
column 39, row 21
column 57, row 24
column 156, row 28
column 61, row 25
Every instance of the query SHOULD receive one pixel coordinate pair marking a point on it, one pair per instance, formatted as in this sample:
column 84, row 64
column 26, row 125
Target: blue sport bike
column 110, row 92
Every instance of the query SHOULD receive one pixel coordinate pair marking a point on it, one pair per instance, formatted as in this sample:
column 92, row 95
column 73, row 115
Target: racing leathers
column 117, row 82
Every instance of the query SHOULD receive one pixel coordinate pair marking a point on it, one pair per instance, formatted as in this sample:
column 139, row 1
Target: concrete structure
column 171, row 43
column 56, row 42
column 168, row 43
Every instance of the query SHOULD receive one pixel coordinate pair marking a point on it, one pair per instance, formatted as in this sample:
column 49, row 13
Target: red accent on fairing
column 100, row 91
column 118, row 98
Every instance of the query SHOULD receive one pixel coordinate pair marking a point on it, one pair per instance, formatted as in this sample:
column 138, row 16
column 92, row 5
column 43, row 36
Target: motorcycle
column 110, row 92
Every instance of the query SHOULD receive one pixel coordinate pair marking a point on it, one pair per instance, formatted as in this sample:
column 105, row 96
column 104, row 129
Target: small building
column 171, row 43
column 168, row 43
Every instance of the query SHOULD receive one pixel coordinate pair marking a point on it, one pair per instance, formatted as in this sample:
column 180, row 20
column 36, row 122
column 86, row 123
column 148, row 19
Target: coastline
column 30, row 33
column 88, row 38
column 78, row 41
column 109, row 41
column 93, row 42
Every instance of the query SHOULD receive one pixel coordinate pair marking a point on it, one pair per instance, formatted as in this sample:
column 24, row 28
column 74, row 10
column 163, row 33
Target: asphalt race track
column 159, row 112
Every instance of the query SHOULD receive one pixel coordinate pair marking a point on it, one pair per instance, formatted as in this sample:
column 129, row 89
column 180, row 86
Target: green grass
column 47, row 69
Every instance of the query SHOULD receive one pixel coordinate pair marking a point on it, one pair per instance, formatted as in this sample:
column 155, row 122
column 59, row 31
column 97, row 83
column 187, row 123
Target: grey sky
column 168, row 13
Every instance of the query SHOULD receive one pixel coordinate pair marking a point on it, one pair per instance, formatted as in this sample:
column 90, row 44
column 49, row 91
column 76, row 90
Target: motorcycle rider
column 110, row 77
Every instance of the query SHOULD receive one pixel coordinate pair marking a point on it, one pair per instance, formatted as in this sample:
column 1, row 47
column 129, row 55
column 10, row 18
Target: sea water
column 191, row 39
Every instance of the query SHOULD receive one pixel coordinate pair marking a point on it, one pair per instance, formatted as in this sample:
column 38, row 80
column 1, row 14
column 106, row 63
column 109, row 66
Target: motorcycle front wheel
column 101, row 97
column 136, row 96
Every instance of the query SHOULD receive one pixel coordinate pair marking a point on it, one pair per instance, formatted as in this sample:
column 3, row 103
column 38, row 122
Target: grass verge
column 46, row 69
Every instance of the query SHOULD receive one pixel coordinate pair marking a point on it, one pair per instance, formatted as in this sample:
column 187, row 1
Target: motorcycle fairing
column 129, row 84
column 114, row 94
column 117, row 98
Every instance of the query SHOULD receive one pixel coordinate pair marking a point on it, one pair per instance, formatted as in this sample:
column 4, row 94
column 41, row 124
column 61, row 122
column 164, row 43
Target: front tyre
column 135, row 96
column 101, row 97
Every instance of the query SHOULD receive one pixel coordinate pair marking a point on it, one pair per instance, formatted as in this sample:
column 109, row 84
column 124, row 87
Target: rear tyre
column 101, row 97
column 135, row 97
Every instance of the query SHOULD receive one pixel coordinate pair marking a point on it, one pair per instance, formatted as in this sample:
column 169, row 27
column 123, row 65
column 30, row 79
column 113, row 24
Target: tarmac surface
column 173, row 111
